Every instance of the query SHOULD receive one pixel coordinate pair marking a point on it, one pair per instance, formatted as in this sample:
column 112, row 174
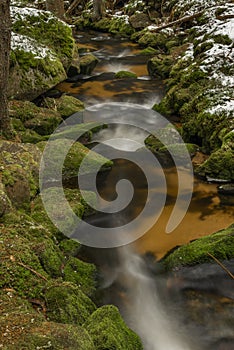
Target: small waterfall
column 144, row 310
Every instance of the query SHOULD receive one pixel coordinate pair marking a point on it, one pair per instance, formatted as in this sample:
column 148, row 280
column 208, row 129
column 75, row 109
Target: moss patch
column 65, row 105
column 66, row 303
column 108, row 330
column 219, row 244
column 123, row 74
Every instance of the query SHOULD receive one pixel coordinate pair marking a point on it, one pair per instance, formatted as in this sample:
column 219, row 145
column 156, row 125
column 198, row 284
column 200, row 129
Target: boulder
column 42, row 51
column 88, row 63
column 19, row 168
column 65, row 105
column 108, row 330
column 139, row 20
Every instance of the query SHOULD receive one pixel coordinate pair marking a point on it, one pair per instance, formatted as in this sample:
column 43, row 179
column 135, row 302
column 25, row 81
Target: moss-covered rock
column 26, row 328
column 66, row 303
column 108, row 330
column 220, row 164
column 149, row 51
column 26, row 115
column 220, row 245
column 88, row 63
column 75, row 200
column 41, row 52
column 19, row 168
column 124, row 74
column 81, row 274
column 73, row 160
column 139, row 20
column 65, row 105
column 160, row 66
column 5, row 203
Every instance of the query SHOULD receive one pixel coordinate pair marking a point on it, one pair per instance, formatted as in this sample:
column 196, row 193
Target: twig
column 220, row 264
column 28, row 268
column 72, row 7
column 180, row 20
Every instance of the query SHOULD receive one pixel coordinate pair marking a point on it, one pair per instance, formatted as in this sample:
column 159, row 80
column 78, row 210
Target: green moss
column 160, row 66
column 81, row 274
column 65, row 105
column 87, row 63
column 219, row 244
column 149, row 51
column 69, row 247
column 108, row 330
column 66, row 303
column 123, row 74
column 121, row 26
column 155, row 40
column 47, row 30
column 73, row 160
column 55, row 336
column 80, row 131
column 20, row 268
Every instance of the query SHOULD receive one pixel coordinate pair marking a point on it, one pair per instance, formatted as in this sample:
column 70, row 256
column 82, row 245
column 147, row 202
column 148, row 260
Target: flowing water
column 148, row 299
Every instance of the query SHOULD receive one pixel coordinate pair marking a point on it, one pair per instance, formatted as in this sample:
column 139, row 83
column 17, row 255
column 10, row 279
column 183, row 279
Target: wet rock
column 226, row 194
column 159, row 66
column 123, row 74
column 88, row 63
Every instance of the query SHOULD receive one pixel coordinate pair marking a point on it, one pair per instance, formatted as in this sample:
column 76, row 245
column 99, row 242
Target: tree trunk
column 98, row 9
column 5, row 45
column 56, row 7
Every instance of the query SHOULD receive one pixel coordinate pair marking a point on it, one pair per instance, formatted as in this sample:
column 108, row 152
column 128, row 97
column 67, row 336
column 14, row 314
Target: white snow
column 24, row 43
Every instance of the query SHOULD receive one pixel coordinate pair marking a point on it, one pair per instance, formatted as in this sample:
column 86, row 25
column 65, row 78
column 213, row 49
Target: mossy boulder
column 71, row 165
column 66, row 303
column 149, row 51
column 108, row 330
column 26, row 328
column 55, row 336
column 19, row 169
column 88, row 63
column 40, row 121
column 41, row 52
column 155, row 40
column 124, row 74
column 20, row 268
column 220, row 164
column 75, row 200
column 65, row 105
column 81, row 274
column 219, row 244
column 121, row 25
column 139, row 20
column 160, row 66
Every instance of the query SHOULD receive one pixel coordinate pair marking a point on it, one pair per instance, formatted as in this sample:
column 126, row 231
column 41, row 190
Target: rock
column 220, row 164
column 219, row 244
column 108, row 330
column 123, row 74
column 41, row 52
column 139, row 20
column 160, row 66
column 66, row 303
column 41, row 121
column 65, row 105
column 226, row 194
column 81, row 274
column 74, row 157
column 88, row 63
column 19, row 168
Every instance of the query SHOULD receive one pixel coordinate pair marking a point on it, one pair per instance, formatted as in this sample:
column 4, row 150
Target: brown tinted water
column 206, row 214
column 188, row 311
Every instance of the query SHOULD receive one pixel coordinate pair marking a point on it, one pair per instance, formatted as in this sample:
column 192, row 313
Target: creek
column 151, row 302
